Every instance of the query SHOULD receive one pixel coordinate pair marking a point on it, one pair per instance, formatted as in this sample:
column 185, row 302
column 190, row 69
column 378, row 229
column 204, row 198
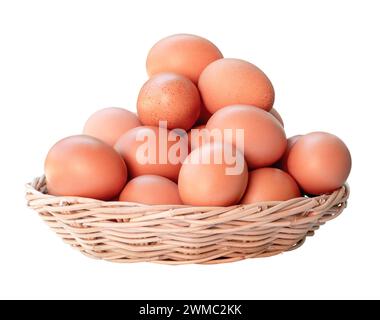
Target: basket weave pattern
column 129, row 232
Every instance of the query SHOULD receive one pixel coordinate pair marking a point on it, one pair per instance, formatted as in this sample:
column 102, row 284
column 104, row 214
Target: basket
column 130, row 232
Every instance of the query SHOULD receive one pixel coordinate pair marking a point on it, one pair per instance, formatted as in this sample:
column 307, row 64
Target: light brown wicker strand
column 131, row 232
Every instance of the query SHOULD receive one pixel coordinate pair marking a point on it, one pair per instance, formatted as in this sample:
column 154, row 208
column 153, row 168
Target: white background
column 62, row 60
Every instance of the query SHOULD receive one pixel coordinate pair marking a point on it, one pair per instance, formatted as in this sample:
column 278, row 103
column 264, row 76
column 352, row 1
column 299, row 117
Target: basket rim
column 34, row 186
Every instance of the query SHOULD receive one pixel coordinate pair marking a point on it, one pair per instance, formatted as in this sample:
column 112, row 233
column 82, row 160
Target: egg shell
column 185, row 54
column 129, row 147
column 152, row 190
column 169, row 97
column 208, row 183
column 270, row 184
column 275, row 114
column 84, row 166
column 264, row 137
column 228, row 81
column 320, row 162
column 109, row 124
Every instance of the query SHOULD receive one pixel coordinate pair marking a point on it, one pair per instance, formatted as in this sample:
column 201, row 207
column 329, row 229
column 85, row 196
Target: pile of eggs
column 194, row 91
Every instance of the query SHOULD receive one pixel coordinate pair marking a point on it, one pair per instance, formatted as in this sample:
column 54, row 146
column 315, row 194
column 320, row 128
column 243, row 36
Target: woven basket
column 129, row 232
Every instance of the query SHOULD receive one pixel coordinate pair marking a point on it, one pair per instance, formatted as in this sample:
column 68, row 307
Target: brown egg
column 86, row 167
column 320, row 162
column 184, row 54
column 149, row 150
column 110, row 123
column 232, row 81
column 275, row 114
column 150, row 189
column 270, row 184
column 283, row 163
column 199, row 135
column 206, row 181
column 264, row 137
column 169, row 97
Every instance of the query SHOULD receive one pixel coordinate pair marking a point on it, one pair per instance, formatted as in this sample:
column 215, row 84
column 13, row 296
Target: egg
column 109, row 124
column 152, row 150
column 84, row 166
column 169, row 97
column 283, row 163
column 209, row 177
column 226, row 82
column 320, row 162
column 275, row 114
column 270, row 184
column 151, row 189
column 185, row 54
column 264, row 137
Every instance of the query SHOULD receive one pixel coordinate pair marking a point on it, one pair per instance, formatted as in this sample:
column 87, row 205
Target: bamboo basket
column 130, row 232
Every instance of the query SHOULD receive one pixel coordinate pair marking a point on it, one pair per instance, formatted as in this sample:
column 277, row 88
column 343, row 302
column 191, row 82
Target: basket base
column 227, row 257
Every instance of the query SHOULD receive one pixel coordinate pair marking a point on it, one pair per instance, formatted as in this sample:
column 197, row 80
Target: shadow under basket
column 130, row 232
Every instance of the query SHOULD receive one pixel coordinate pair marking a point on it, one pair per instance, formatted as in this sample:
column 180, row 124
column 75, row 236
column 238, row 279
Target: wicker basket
column 129, row 232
